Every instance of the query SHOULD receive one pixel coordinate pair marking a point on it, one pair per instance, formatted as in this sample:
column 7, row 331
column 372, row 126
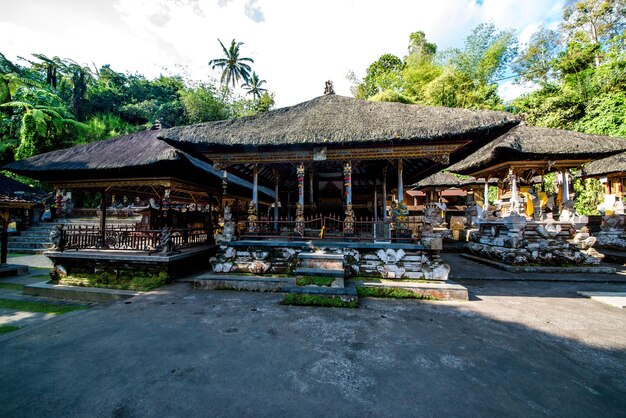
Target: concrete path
column 517, row 349
column 37, row 261
column 616, row 299
column 463, row 269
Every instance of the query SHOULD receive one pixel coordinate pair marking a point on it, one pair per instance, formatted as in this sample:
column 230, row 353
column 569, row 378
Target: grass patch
column 21, row 305
column 314, row 280
column 385, row 292
column 124, row 281
column 379, row 280
column 11, row 286
column 41, row 276
column 8, row 328
column 300, row 299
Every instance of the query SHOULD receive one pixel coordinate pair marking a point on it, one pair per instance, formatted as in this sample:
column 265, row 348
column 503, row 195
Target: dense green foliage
column 578, row 71
column 51, row 103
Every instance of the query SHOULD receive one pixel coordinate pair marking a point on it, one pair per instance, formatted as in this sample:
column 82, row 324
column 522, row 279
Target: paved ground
column 463, row 269
column 516, row 349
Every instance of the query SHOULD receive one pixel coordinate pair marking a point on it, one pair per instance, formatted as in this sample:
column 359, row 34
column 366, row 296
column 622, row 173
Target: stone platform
column 7, row 270
column 594, row 269
column 88, row 294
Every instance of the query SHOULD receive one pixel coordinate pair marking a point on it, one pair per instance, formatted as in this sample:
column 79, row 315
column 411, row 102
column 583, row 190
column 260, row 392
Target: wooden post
column 385, row 194
column 300, row 174
column 347, row 182
column 103, row 218
column 400, row 183
column 5, row 236
column 255, row 187
column 276, row 201
column 486, row 195
column 565, row 185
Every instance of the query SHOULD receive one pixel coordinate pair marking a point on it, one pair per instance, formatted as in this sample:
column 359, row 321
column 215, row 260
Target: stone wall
column 382, row 263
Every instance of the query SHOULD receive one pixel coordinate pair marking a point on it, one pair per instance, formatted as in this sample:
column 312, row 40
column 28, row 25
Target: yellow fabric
column 543, row 199
column 529, row 210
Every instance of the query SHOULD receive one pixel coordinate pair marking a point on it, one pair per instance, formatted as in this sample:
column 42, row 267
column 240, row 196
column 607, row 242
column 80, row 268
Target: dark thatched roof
column 527, row 143
column 139, row 154
column 333, row 119
column 606, row 166
column 447, row 179
column 12, row 191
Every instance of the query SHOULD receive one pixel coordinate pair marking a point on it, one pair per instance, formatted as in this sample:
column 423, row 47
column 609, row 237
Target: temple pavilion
column 327, row 173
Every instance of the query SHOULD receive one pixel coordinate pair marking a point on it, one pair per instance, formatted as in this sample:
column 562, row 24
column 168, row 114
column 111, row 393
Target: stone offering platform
column 542, row 269
column 186, row 261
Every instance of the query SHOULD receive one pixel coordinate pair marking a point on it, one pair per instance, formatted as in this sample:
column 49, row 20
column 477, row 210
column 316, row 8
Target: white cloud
column 510, row 90
column 296, row 45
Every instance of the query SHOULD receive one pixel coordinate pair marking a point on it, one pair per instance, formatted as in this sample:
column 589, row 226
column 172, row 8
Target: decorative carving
column 167, row 245
column 348, row 222
column 299, row 229
column 56, row 237
column 253, row 227
column 432, row 215
column 228, row 228
column 440, row 158
column 612, row 223
column 402, row 218
column 391, row 256
column 328, row 88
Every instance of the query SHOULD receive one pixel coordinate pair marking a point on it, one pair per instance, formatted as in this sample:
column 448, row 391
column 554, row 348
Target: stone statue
column 167, row 245
column 56, row 237
column 348, row 223
column 228, row 228
column 253, row 227
column 328, row 88
column 432, row 215
column 153, row 203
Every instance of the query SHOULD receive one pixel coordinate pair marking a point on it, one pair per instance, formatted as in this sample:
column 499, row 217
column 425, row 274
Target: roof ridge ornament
column 328, row 89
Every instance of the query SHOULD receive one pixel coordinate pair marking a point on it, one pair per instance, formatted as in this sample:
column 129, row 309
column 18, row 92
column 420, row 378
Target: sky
column 296, row 45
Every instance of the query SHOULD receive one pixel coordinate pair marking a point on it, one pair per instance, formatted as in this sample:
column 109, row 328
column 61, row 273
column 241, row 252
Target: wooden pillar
column 103, row 217
column 276, row 201
column 565, row 185
column 486, row 195
column 255, row 187
column 400, row 183
column 311, row 186
column 385, row 194
column 5, row 236
column 300, row 174
column 347, row 182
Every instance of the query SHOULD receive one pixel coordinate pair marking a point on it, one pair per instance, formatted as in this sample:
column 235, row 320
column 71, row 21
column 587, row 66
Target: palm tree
column 254, row 86
column 233, row 67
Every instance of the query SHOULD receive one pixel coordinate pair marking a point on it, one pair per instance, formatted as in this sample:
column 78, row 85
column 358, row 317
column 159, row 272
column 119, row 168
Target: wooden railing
column 331, row 227
column 88, row 213
column 78, row 237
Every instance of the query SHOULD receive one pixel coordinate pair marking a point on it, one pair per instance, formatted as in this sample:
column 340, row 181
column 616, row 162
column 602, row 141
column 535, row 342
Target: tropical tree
column 234, row 68
column 253, row 86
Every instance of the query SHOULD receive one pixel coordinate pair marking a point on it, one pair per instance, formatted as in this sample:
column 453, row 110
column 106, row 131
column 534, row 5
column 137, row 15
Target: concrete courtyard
column 516, row 349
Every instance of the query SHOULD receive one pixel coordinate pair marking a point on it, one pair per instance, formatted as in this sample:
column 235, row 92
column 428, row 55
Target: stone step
column 19, row 238
column 308, row 271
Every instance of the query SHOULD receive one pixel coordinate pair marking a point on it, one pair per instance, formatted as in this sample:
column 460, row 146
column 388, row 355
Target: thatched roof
column 606, row 166
column 447, row 179
column 528, row 143
column 13, row 192
column 139, row 154
column 339, row 120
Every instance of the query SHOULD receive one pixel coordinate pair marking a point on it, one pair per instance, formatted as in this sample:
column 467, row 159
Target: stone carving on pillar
column 432, row 215
column 228, row 228
column 348, row 222
column 253, row 227
column 299, row 229
column 403, row 218
column 56, row 237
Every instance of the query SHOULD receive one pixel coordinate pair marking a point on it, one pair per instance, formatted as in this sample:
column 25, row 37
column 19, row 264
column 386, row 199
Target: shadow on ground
column 177, row 352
